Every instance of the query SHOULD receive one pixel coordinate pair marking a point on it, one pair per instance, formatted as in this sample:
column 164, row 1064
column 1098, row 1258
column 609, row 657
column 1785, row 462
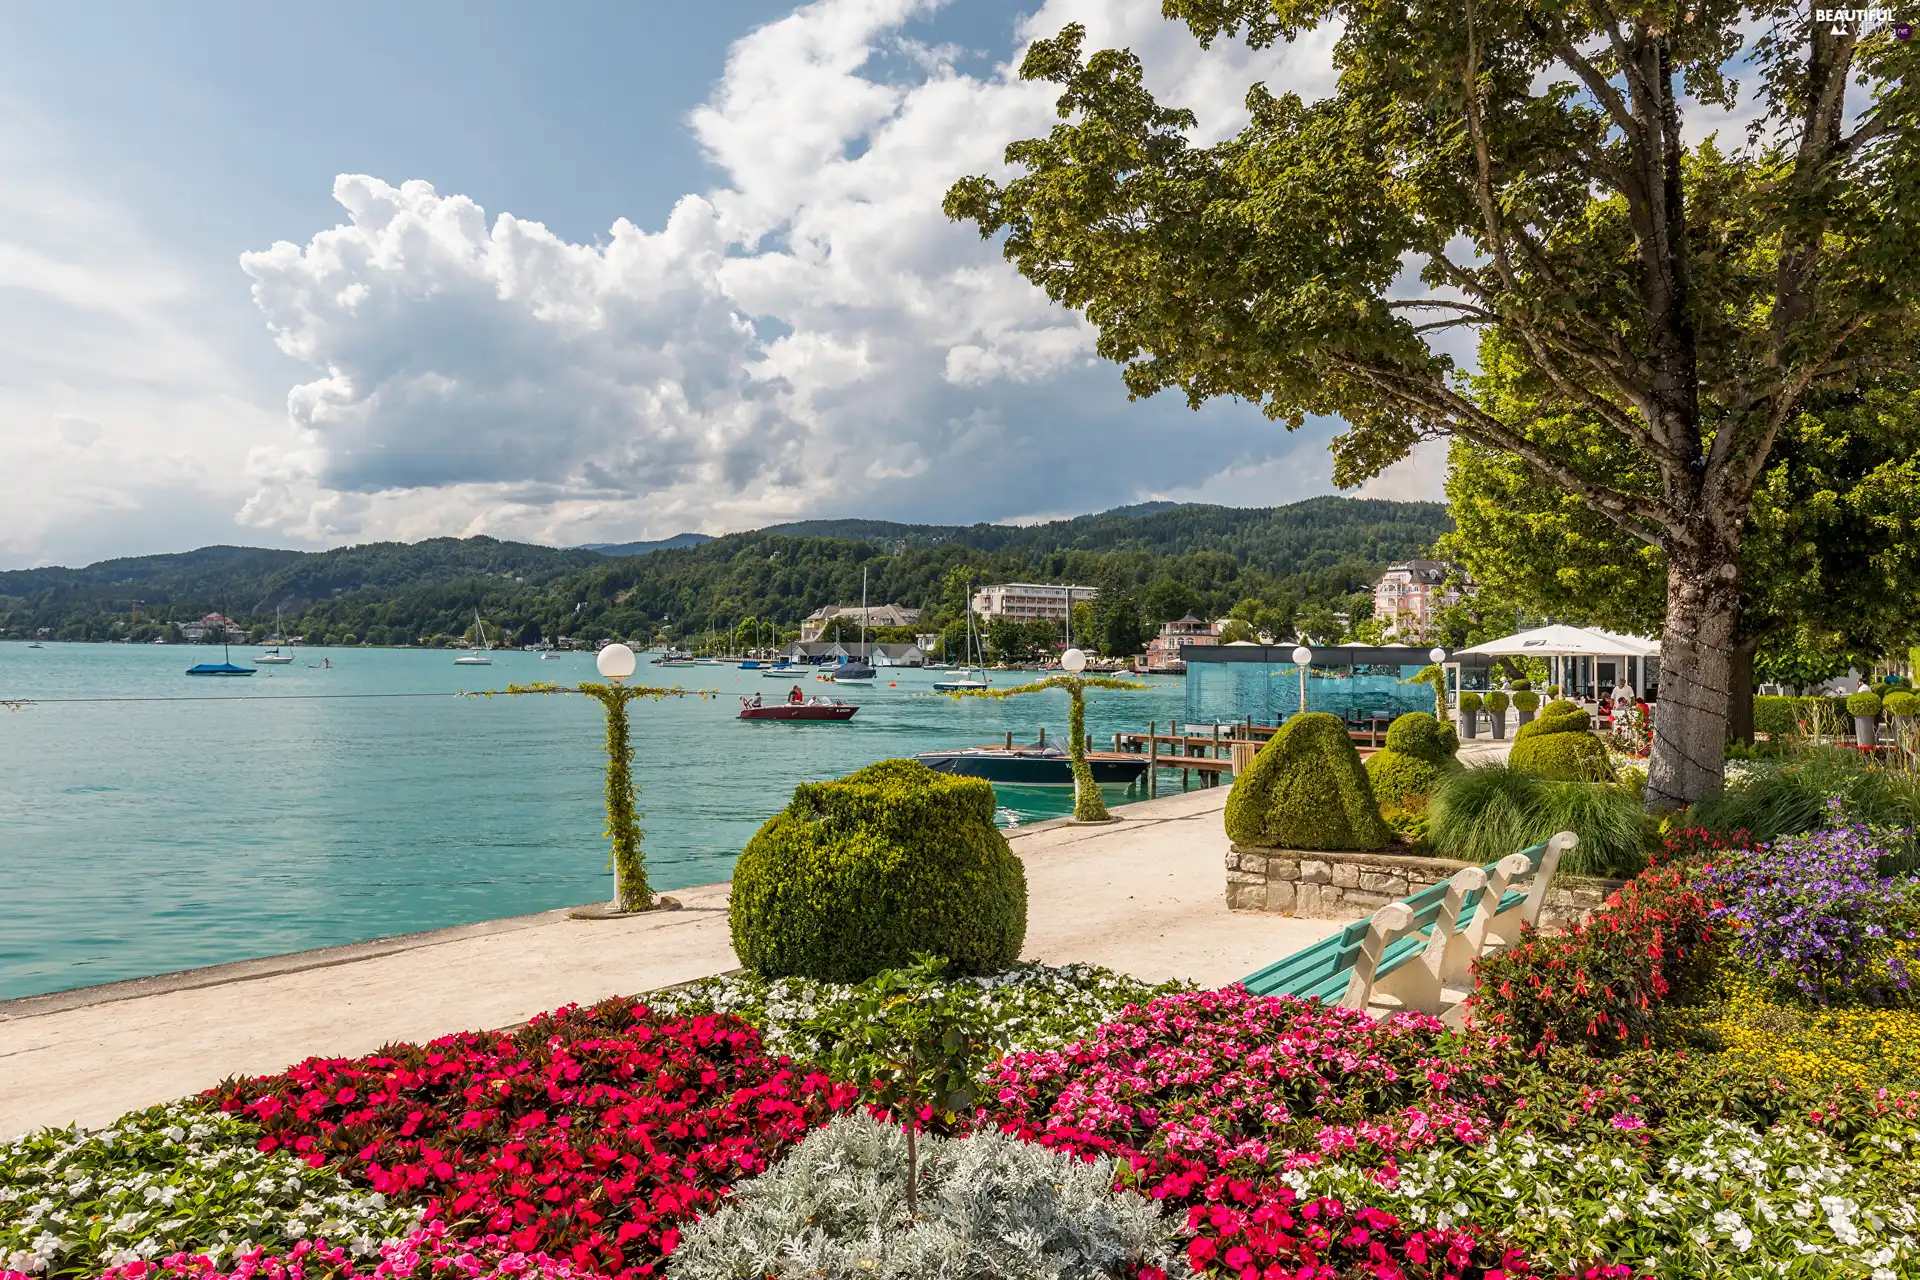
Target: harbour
column 163, row 823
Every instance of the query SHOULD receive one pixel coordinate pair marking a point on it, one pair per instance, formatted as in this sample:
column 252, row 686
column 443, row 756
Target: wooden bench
column 1418, row 953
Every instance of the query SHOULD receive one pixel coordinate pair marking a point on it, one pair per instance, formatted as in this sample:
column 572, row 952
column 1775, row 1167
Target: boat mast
column 863, row 615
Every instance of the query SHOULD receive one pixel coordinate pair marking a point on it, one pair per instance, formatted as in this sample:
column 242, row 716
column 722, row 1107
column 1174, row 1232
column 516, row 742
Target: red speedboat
column 815, row 709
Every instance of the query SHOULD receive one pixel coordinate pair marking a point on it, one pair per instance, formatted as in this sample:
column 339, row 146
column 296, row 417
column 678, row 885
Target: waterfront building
column 1164, row 653
column 1025, row 601
column 834, row 652
column 1410, row 593
column 814, row 625
column 212, row 625
column 1233, row 682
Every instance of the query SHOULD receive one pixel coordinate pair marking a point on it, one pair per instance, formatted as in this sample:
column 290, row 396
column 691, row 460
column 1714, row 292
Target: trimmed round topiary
column 855, row 876
column 1470, row 702
column 1523, row 686
column 1419, row 735
column 1553, row 691
column 1409, row 768
column 1560, row 745
column 1902, row 704
column 1559, row 706
column 1525, row 700
column 1497, row 701
column 1306, row 789
column 1864, row 703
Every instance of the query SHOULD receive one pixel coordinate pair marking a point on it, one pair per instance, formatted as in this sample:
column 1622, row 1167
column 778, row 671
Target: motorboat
column 1034, row 766
column 548, row 655
column 811, row 709
column 852, row 673
column 783, row 671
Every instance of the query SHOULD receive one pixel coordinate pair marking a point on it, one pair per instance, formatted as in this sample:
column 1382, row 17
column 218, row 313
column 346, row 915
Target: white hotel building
column 1025, row 601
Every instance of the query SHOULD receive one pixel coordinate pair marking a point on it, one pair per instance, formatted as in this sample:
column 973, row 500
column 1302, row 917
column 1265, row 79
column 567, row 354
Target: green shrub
column 1450, row 738
column 857, row 875
column 1306, row 789
column 1559, row 707
column 1525, row 700
column 991, row 1206
column 1416, row 753
column 1483, row 814
column 1783, row 717
column 1558, row 745
column 1419, row 735
column 1469, row 702
column 1523, row 686
column 1553, row 691
column 1497, row 701
column 1864, row 703
column 1902, row 703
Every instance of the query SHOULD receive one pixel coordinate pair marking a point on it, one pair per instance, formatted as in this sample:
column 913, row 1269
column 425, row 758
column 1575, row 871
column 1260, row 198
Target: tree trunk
column 1696, row 675
column 1740, row 706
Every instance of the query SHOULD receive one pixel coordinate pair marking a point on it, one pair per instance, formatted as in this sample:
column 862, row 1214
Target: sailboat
column 273, row 657
column 966, row 678
column 859, row 670
column 478, row 655
column 222, row 668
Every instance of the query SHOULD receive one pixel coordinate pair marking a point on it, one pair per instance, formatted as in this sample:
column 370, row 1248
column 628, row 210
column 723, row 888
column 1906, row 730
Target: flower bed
column 592, row 1135
column 1034, row 1006
column 169, row 1179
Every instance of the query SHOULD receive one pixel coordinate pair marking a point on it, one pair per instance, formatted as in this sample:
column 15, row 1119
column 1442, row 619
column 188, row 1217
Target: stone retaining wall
column 1346, row 886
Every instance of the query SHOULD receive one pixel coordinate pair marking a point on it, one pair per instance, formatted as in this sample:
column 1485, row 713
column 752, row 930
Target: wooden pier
column 1220, row 751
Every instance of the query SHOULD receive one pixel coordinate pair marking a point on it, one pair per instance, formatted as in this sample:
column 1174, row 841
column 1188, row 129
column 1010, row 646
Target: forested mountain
column 642, row 548
column 1151, row 562
column 1273, row 538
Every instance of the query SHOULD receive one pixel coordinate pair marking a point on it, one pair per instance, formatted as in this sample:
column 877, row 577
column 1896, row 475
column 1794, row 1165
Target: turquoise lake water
column 142, row 837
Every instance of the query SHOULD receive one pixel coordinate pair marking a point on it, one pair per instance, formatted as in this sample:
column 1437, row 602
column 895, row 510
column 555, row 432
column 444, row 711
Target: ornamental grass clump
column 858, row 875
column 990, row 1207
column 1306, row 789
column 1814, row 916
column 1484, row 813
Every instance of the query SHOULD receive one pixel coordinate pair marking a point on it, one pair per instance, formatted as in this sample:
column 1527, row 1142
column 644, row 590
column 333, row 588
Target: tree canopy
column 1531, row 174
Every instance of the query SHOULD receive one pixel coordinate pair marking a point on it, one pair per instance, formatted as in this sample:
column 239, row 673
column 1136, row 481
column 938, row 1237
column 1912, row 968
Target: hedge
column 1306, row 789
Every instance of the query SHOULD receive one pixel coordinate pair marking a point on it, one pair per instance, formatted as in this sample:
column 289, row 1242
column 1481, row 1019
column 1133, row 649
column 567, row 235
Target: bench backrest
column 1411, row 927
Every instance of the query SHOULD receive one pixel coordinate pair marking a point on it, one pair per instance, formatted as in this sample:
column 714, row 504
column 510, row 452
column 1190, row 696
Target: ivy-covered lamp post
column 631, row 892
column 1302, row 657
column 1088, row 806
column 1438, row 657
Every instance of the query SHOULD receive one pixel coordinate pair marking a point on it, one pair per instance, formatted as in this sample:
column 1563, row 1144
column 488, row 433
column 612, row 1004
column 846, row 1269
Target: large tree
column 1523, row 170
column 1829, row 562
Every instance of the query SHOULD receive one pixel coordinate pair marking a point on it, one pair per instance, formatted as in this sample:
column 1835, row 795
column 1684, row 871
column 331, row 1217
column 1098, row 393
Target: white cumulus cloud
column 811, row 336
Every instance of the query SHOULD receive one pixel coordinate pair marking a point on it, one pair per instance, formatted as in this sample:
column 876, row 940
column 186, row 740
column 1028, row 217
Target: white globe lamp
column 615, row 662
column 1073, row 662
column 1436, row 655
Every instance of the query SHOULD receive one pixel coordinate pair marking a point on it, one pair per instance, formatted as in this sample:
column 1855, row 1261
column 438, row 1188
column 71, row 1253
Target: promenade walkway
column 1145, row 895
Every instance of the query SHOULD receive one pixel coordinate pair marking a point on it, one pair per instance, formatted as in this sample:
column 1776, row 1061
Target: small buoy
column 889, row 684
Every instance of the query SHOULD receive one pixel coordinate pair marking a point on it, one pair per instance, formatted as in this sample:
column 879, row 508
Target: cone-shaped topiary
column 1560, row 745
column 1306, row 789
column 1415, row 756
column 855, row 876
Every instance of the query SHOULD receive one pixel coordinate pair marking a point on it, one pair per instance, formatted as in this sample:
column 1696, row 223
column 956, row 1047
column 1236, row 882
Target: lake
column 181, row 822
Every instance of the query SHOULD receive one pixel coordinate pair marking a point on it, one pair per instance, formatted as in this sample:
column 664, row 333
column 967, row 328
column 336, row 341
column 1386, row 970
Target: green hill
column 1172, row 558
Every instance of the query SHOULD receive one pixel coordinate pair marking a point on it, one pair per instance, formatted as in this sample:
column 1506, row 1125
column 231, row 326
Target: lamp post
column 1301, row 657
column 1438, row 657
column 615, row 662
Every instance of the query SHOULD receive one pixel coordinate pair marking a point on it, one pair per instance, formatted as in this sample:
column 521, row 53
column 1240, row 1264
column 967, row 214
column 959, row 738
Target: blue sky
column 312, row 274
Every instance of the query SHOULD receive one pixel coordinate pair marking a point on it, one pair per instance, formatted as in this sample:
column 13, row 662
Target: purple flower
column 1815, row 915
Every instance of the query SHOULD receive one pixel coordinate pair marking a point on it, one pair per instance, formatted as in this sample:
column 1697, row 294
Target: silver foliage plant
column 991, row 1208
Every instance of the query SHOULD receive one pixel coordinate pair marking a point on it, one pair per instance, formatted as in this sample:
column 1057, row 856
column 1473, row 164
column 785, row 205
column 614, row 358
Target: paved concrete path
column 1145, row 895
